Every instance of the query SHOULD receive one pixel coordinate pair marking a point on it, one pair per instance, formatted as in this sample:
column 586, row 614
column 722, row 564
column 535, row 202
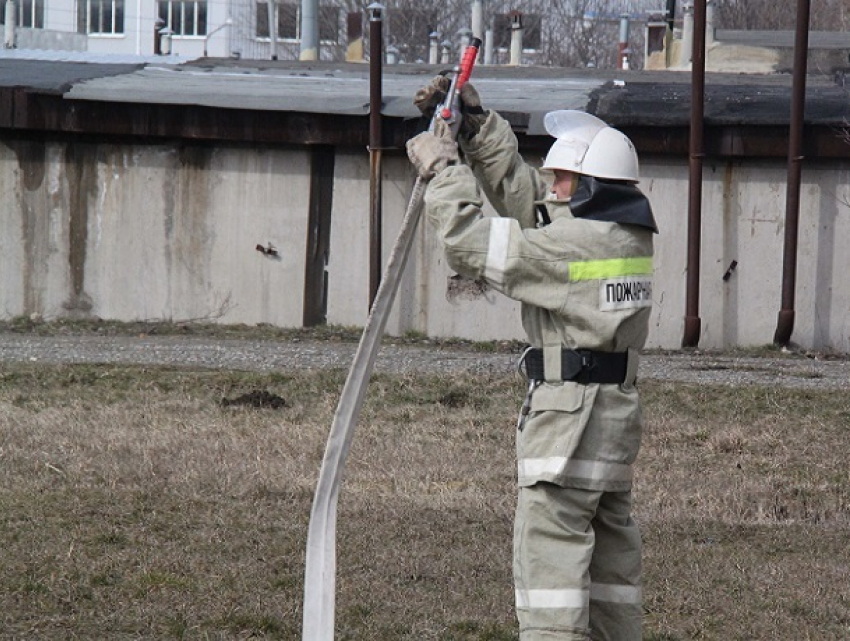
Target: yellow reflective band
column 610, row 268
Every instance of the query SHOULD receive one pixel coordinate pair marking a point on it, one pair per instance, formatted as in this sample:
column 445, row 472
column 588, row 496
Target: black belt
column 581, row 366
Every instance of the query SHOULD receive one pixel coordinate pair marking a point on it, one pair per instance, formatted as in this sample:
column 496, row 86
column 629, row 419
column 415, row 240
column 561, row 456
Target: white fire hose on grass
column 320, row 573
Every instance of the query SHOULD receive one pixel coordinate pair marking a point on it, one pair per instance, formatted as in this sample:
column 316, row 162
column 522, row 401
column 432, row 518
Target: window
column 100, row 17
column 184, row 17
column 28, row 13
column 530, row 30
column 289, row 22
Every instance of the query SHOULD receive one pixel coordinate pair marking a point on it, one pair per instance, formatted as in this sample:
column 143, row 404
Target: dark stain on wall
column 35, row 231
column 189, row 235
column 191, row 221
column 195, row 157
column 81, row 171
column 31, row 159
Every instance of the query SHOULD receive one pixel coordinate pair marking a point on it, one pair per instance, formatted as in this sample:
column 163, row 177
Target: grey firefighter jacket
column 583, row 284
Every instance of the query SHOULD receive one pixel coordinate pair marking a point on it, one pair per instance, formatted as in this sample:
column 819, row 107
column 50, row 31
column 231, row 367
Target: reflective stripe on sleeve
column 497, row 250
column 610, row 268
column 576, row 468
column 552, row 599
column 611, row 593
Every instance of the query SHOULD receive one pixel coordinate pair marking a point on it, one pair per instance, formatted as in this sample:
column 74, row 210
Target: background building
column 239, row 192
column 577, row 33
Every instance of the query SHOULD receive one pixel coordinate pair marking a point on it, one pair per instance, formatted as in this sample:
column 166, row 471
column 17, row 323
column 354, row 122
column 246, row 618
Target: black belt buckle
column 587, row 365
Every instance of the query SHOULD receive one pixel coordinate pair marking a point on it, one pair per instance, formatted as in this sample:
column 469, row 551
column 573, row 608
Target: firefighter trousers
column 577, row 565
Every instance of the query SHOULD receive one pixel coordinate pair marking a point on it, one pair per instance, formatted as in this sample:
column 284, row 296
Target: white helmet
column 586, row 145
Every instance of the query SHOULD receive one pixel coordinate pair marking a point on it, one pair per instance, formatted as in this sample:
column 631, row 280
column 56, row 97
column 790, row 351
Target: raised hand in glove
column 429, row 97
column 431, row 152
column 473, row 114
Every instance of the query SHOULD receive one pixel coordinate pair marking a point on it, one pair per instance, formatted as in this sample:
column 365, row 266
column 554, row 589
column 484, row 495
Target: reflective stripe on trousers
column 576, row 565
column 533, row 468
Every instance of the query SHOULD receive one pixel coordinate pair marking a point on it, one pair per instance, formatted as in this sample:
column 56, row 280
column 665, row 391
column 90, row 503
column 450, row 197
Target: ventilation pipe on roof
column 478, row 19
column 785, row 323
column 464, row 37
column 516, row 38
column 709, row 21
column 165, row 36
column 433, row 48
column 687, row 35
column 376, row 38
column 9, row 25
column 157, row 26
column 309, row 30
column 445, row 52
column 692, row 319
column 622, row 55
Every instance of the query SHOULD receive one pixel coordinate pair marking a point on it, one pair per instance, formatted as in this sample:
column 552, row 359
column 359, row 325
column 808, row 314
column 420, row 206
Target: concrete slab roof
column 634, row 98
column 333, row 88
column 55, row 77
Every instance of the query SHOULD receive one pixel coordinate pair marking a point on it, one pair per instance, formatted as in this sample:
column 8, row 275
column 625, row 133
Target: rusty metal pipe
column 692, row 320
column 376, row 62
column 785, row 322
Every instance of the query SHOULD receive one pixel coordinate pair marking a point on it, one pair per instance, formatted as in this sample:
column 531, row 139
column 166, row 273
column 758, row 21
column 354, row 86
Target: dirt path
column 272, row 355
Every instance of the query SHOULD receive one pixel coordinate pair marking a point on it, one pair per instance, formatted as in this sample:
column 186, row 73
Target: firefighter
column 576, row 250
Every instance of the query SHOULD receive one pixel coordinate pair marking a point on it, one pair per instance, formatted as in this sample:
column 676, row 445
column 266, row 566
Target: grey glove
column 430, row 152
column 430, row 96
column 473, row 114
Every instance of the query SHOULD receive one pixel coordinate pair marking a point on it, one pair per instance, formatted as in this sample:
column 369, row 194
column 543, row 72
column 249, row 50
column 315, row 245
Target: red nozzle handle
column 468, row 62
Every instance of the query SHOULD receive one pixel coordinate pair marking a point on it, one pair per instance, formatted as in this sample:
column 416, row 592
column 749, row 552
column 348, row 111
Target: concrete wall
column 348, row 264
column 429, row 299
column 743, row 220
column 132, row 231
column 152, row 232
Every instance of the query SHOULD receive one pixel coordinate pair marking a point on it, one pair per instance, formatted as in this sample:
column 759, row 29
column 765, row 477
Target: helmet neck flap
column 613, row 202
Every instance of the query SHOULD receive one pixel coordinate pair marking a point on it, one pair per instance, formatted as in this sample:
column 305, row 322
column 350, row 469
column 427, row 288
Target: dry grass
column 135, row 504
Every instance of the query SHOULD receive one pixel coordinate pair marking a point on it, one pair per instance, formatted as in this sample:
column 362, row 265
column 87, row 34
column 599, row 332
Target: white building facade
column 247, row 29
column 185, row 28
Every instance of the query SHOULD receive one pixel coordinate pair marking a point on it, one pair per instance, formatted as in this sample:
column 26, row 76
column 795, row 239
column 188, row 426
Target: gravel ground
column 791, row 370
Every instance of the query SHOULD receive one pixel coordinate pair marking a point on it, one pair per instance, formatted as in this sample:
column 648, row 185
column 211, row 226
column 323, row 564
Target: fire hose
column 320, row 569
